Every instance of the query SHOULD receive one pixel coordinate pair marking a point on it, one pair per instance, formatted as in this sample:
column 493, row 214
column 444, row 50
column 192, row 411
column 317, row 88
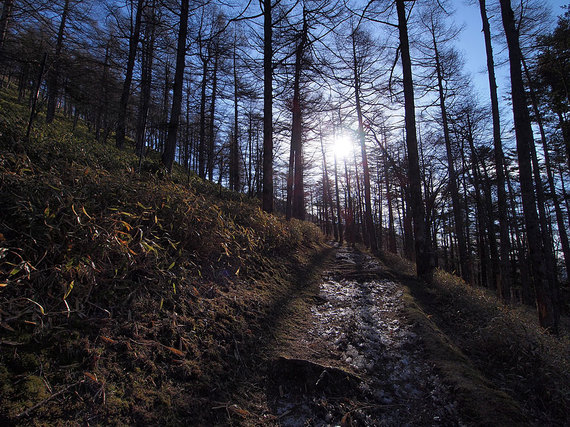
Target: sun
column 343, row 146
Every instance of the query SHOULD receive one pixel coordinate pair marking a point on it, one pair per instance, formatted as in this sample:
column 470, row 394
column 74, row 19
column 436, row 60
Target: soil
column 356, row 359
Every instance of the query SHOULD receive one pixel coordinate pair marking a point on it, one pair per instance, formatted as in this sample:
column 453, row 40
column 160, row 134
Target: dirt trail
column 357, row 359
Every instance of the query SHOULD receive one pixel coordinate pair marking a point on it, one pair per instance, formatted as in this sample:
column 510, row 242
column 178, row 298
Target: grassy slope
column 504, row 368
column 128, row 298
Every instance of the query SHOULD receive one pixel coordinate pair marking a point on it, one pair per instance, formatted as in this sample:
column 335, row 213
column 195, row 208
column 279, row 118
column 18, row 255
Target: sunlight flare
column 343, row 146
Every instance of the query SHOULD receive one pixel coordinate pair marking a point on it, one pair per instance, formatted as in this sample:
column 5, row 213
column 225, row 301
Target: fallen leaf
column 238, row 411
column 175, row 351
column 91, row 376
column 108, row 340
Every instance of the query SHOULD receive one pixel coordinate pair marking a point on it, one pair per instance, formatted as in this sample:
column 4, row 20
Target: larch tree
column 173, row 125
column 503, row 281
column 542, row 279
column 267, row 199
column 54, row 70
column 134, row 37
column 446, row 64
column 359, row 41
column 423, row 255
column 148, row 49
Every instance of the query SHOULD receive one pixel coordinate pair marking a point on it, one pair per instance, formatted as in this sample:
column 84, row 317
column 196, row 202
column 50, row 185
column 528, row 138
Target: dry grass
column 499, row 359
column 126, row 297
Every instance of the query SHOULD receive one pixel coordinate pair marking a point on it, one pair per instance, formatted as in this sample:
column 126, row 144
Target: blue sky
column 472, row 44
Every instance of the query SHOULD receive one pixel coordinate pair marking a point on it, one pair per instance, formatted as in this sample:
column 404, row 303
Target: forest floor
column 360, row 345
column 356, row 357
column 128, row 297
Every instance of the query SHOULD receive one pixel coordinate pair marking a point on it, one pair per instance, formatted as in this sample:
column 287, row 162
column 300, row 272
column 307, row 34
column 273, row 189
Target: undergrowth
column 126, row 297
column 504, row 343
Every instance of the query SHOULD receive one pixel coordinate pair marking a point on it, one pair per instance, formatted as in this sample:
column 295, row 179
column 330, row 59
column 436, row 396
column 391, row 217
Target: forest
column 190, row 143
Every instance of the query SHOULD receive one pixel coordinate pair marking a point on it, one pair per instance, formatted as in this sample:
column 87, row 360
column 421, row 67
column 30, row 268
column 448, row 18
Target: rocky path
column 358, row 361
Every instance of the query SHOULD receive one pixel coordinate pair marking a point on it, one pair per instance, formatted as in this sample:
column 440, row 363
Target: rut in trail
column 380, row 375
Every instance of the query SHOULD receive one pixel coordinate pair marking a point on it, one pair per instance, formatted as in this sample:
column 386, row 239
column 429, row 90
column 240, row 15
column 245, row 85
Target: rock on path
column 359, row 326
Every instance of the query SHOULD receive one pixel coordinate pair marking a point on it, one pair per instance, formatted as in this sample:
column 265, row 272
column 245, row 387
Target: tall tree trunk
column 36, row 93
column 424, row 263
column 349, row 211
column 170, row 146
column 485, row 206
column 370, row 229
column 234, row 147
column 547, row 305
column 120, row 130
column 267, row 201
column 5, row 20
column 161, row 140
column 53, row 74
column 297, row 127
column 504, row 283
column 202, row 143
column 146, row 83
column 290, row 178
column 464, row 260
column 391, row 230
column 338, row 210
column 211, row 133
column 549, row 174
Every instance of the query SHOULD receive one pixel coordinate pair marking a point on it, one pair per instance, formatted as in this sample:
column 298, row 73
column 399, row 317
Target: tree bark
column 298, row 203
column 120, row 130
column 267, row 201
column 464, row 260
column 424, row 263
column 370, row 229
column 234, row 147
column 546, row 303
column 5, row 20
column 503, row 283
column 170, row 146
column 212, row 123
column 550, row 176
column 146, row 84
column 338, row 210
column 54, row 71
column 202, row 143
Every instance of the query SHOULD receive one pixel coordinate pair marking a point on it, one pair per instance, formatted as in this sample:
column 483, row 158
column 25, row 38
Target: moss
column 479, row 401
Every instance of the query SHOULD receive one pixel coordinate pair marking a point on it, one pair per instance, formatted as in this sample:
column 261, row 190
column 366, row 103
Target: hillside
column 126, row 296
column 138, row 298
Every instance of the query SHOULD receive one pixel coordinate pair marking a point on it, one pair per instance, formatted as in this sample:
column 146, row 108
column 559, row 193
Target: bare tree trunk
column 298, row 204
column 349, row 211
column 464, row 260
column 559, row 215
column 267, row 201
column 161, row 140
column 338, row 210
column 391, row 231
column 120, row 130
column 146, row 83
column 424, row 263
column 370, row 229
column 35, row 96
column 202, row 143
column 53, row 74
column 547, row 305
column 234, row 147
column 170, row 146
column 504, row 283
column 212, row 130
column 5, row 21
